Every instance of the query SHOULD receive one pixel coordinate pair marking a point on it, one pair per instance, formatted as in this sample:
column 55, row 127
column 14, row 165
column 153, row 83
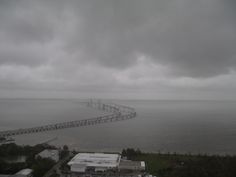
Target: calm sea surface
column 166, row 126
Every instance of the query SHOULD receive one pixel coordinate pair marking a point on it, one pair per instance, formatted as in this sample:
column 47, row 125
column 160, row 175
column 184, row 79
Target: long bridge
column 116, row 113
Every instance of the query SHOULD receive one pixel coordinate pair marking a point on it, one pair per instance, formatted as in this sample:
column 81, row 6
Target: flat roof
column 23, row 172
column 49, row 153
column 26, row 171
column 96, row 159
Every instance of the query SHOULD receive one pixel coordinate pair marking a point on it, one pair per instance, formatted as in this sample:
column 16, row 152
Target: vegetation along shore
column 158, row 164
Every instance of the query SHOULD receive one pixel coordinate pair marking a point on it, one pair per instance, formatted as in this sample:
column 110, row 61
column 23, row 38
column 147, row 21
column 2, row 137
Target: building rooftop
column 128, row 164
column 23, row 173
column 26, row 171
column 49, row 153
column 96, row 159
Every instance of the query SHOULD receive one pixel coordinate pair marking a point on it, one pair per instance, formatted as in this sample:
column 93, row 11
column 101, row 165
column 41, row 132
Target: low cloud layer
column 128, row 48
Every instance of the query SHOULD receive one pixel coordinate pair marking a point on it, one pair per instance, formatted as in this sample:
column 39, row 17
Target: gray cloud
column 196, row 39
column 28, row 56
column 120, row 45
column 26, row 21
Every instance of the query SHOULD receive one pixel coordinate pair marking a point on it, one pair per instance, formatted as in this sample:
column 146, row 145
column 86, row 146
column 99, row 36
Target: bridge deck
column 119, row 113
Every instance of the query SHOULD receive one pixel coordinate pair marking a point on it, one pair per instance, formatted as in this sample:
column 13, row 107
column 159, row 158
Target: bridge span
column 116, row 113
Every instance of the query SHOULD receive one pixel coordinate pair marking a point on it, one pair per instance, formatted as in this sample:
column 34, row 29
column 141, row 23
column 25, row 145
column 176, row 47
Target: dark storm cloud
column 118, row 44
column 195, row 38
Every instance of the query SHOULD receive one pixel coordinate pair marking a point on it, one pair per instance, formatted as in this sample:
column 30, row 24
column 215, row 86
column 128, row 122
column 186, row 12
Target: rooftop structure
column 24, row 173
column 97, row 161
column 49, row 153
column 132, row 165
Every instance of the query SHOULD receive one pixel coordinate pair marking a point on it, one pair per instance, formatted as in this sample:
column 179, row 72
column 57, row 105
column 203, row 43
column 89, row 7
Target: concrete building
column 49, row 153
column 138, row 166
column 94, row 162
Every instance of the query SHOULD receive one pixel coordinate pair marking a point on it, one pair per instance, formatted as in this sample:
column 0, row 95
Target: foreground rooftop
column 96, row 160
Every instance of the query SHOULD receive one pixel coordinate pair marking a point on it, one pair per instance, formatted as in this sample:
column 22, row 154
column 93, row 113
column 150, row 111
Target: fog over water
column 166, row 126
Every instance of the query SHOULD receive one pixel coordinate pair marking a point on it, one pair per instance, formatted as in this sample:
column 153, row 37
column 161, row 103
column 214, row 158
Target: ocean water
column 161, row 126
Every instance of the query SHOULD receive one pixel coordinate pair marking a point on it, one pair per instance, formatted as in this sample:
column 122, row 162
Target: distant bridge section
column 117, row 113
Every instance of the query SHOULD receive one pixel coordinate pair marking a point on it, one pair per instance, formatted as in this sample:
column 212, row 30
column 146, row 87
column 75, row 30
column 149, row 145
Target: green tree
column 41, row 166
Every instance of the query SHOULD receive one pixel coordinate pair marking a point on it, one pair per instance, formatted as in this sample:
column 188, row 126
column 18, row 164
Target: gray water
column 165, row 126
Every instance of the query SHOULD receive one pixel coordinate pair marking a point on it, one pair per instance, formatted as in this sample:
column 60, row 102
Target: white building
column 98, row 162
column 49, row 153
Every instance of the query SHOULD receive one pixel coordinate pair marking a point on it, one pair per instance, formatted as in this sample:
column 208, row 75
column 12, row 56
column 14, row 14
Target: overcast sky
column 136, row 49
